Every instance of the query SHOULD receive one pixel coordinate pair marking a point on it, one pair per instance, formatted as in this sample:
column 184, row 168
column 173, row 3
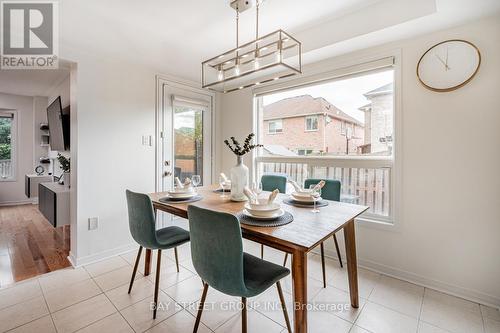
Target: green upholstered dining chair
column 270, row 183
column 331, row 191
column 143, row 229
column 218, row 258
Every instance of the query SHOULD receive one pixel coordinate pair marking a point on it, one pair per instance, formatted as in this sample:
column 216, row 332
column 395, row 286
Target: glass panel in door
column 188, row 142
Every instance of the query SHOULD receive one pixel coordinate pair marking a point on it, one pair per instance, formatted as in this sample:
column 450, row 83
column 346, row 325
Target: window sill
column 312, row 130
column 8, row 180
column 369, row 222
column 269, row 133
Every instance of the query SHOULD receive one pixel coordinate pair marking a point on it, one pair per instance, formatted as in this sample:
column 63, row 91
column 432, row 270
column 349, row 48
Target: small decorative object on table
column 239, row 173
column 65, row 167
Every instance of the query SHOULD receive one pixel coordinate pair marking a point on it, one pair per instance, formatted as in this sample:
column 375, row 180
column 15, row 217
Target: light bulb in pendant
column 278, row 56
column 256, row 64
column 237, row 70
column 220, row 74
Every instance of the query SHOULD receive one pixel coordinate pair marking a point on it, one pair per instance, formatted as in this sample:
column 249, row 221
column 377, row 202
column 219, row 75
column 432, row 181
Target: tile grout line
column 102, row 291
column 118, row 311
column 28, row 322
column 47, row 304
column 421, row 309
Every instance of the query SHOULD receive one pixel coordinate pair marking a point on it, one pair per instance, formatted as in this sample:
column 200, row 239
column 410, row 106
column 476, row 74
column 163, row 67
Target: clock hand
column 442, row 61
column 447, row 49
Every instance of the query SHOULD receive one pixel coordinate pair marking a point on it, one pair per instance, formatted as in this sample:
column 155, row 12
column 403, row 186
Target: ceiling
column 174, row 37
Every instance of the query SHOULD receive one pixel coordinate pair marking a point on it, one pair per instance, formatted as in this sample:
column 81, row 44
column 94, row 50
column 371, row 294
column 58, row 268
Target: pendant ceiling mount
column 267, row 58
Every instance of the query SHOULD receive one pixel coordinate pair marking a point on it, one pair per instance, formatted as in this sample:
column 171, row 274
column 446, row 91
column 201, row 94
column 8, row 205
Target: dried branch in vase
column 239, row 150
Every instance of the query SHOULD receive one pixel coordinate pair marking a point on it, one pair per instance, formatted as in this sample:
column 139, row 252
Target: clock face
column 448, row 65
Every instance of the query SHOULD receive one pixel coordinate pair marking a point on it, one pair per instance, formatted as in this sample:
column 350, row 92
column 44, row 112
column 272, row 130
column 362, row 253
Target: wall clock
column 448, row 65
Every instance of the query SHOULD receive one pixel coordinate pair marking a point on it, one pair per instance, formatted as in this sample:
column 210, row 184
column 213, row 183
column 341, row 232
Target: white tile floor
column 94, row 299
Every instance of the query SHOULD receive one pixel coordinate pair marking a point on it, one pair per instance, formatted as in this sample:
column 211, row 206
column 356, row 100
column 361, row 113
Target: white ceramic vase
column 239, row 179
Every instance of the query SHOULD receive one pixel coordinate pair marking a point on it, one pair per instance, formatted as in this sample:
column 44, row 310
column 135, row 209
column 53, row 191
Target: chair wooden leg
column 135, row 269
column 286, row 258
column 200, row 307
column 176, row 259
column 283, row 306
column 338, row 250
column 323, row 264
column 157, row 282
column 244, row 315
column 261, row 251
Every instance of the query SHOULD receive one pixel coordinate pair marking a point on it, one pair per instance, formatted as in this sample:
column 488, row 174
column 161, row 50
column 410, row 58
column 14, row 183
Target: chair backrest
column 141, row 219
column 331, row 190
column 217, row 249
column 272, row 182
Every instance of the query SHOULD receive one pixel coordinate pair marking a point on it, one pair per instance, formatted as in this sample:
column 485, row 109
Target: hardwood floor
column 29, row 245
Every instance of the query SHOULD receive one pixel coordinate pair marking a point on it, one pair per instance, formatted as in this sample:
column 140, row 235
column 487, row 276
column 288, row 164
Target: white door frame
column 161, row 81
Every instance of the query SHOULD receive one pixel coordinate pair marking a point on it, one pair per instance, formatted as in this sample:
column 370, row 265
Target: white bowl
column 263, row 210
column 262, row 205
column 273, row 216
column 299, row 198
column 184, row 190
column 303, row 193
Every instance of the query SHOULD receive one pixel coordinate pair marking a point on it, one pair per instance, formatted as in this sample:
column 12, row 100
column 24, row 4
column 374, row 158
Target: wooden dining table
column 298, row 238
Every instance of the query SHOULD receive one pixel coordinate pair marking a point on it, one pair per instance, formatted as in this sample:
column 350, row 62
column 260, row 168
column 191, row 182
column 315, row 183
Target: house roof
column 385, row 89
column 365, row 107
column 305, row 105
column 279, row 150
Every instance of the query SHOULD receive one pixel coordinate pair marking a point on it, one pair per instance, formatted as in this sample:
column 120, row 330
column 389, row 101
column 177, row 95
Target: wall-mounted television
column 59, row 125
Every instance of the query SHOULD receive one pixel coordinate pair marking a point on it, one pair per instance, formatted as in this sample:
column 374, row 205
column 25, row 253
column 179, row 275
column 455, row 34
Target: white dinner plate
column 280, row 213
column 177, row 195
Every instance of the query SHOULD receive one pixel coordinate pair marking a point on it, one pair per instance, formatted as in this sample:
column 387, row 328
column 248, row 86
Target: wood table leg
column 147, row 262
column 352, row 262
column 299, row 277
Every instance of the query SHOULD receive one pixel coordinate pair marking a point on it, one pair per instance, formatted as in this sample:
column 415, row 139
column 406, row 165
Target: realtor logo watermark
column 30, row 34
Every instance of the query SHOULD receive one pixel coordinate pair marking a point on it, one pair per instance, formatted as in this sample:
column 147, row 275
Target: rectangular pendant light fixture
column 271, row 57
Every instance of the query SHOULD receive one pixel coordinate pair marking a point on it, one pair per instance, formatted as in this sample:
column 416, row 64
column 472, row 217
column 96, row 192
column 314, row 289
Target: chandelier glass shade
column 271, row 57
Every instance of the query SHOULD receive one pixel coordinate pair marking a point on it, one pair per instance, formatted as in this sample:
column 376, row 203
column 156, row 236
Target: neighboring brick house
column 378, row 121
column 307, row 125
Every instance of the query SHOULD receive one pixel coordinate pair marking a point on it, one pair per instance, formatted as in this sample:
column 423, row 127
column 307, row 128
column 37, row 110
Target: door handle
column 167, row 173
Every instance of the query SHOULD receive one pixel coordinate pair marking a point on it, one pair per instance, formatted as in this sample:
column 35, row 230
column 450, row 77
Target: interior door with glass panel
column 186, row 135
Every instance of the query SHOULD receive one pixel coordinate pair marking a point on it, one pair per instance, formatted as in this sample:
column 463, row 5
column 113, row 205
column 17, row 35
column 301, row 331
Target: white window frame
column 13, row 144
column 275, row 131
column 345, row 68
column 317, row 123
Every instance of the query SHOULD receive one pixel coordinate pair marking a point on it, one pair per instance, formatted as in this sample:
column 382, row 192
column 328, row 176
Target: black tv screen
column 58, row 126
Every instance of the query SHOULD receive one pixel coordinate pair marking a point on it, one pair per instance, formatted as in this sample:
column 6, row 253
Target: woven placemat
column 291, row 202
column 197, row 197
column 282, row 220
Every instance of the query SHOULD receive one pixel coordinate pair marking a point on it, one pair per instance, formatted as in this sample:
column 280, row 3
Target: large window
column 354, row 143
column 7, row 144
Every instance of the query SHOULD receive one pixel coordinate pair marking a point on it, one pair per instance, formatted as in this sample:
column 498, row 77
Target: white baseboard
column 81, row 261
column 468, row 294
column 17, row 203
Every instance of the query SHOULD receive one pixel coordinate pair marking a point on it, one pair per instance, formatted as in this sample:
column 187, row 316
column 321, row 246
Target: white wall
column 113, row 105
column 448, row 234
column 12, row 192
